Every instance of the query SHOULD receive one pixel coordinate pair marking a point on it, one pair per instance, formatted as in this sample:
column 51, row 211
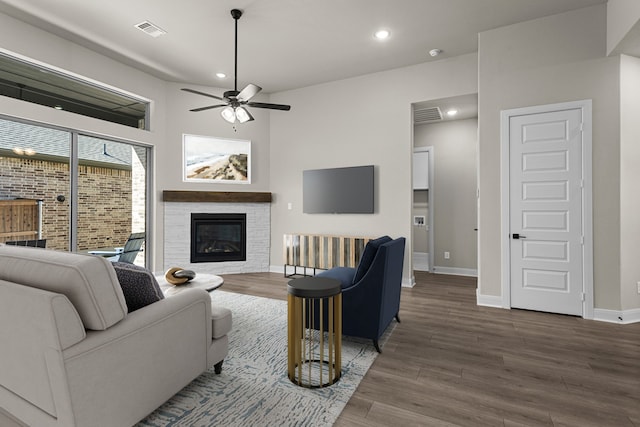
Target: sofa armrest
column 139, row 363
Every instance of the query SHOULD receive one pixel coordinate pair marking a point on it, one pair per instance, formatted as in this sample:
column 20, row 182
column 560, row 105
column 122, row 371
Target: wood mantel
column 216, row 196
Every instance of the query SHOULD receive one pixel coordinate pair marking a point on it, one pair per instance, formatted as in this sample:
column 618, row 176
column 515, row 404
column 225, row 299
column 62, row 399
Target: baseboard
column 276, row 269
column 488, row 300
column 408, row 282
column 456, row 271
column 623, row 317
column 421, row 261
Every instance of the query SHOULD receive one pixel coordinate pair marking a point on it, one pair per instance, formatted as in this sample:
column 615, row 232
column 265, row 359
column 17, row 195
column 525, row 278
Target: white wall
column 357, row 121
column 454, row 190
column 554, row 59
column 629, row 180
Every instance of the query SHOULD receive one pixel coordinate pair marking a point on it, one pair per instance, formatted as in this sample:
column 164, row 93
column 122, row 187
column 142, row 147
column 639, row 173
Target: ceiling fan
column 235, row 102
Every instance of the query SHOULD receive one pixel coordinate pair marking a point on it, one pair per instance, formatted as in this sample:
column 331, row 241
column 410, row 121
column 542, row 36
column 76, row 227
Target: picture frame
column 207, row 159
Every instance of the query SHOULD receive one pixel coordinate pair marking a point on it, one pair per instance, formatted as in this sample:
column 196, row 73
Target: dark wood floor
column 452, row 363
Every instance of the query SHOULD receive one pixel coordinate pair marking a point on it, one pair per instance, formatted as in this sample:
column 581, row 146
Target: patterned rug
column 253, row 388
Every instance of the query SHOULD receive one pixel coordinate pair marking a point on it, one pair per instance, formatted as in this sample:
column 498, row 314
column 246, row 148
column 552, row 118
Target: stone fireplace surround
column 178, row 207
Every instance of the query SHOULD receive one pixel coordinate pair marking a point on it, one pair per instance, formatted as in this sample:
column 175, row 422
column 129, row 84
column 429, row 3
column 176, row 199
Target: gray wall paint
column 455, row 184
column 358, row 121
column 554, row 59
column 622, row 17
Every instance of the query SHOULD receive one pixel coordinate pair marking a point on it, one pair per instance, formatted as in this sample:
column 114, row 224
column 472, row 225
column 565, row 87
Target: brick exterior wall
column 104, row 217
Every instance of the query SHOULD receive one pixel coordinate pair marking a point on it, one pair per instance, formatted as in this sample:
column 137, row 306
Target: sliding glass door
column 92, row 191
column 112, row 188
column 34, row 184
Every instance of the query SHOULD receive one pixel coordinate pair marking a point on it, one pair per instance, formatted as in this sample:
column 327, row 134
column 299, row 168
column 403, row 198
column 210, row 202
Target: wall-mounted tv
column 338, row 190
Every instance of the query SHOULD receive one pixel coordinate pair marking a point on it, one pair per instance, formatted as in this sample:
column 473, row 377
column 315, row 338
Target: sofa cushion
column 369, row 253
column 88, row 281
column 343, row 274
column 139, row 286
column 220, row 321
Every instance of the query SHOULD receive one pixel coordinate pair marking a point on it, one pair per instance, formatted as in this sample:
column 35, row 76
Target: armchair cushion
column 139, row 286
column 368, row 255
column 343, row 274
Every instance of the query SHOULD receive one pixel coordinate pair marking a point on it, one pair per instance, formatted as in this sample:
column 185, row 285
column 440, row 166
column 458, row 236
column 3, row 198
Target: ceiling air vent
column 151, row 29
column 424, row 115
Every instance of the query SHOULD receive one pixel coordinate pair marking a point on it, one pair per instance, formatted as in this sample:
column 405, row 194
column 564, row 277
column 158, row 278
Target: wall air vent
column 150, row 28
column 425, row 115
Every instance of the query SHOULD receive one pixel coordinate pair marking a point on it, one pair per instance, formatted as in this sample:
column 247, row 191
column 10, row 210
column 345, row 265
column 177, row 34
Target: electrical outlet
column 447, row 255
column 638, row 283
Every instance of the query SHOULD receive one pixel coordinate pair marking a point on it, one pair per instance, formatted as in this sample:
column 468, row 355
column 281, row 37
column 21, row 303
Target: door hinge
column 582, row 240
column 581, row 127
column 582, row 296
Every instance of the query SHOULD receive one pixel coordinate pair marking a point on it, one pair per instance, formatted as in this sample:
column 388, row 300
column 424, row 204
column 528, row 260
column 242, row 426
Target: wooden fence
column 19, row 219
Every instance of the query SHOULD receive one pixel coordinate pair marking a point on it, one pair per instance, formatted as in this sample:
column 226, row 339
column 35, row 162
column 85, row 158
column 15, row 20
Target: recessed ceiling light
column 452, row 112
column 221, row 75
column 435, row 52
column 382, row 34
column 58, row 107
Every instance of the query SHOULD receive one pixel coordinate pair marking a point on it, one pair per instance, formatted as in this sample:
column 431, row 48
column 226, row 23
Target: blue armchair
column 371, row 292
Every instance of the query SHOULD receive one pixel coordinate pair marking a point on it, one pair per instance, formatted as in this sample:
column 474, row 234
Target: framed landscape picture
column 209, row 159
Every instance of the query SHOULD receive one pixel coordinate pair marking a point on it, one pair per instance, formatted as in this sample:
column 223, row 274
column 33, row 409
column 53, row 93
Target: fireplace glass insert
column 218, row 237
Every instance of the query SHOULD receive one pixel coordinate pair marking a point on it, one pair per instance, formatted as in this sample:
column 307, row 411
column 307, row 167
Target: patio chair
column 131, row 248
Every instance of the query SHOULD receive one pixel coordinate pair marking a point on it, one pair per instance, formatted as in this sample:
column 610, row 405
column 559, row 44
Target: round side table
column 314, row 353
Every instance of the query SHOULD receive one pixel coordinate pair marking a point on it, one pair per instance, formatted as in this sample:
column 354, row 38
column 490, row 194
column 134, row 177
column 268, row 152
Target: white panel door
column 546, row 212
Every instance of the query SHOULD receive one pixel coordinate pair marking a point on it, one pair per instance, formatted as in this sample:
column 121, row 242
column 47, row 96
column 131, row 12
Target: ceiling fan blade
column 269, row 106
column 248, row 92
column 208, row 108
column 202, row 93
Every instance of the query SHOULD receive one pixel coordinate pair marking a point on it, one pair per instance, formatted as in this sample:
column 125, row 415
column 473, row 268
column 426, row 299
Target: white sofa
column 71, row 355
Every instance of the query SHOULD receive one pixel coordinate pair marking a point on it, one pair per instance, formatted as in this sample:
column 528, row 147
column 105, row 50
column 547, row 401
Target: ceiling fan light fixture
column 228, row 114
column 242, row 115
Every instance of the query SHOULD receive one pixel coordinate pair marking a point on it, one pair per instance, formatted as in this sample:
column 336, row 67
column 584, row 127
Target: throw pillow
column 369, row 253
column 139, row 286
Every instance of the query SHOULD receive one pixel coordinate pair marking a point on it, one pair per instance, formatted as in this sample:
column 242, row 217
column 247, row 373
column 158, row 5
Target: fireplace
column 218, row 237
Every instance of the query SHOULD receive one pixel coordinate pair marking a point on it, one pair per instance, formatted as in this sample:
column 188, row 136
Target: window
column 31, row 82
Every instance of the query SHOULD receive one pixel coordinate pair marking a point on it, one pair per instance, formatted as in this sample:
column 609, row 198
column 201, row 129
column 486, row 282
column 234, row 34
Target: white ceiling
column 283, row 44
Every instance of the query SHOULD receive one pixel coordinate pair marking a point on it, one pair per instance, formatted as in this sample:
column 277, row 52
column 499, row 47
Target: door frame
column 430, row 211
column 587, row 197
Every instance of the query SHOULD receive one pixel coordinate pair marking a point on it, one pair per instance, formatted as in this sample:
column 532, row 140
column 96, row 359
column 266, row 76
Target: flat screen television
column 339, row 190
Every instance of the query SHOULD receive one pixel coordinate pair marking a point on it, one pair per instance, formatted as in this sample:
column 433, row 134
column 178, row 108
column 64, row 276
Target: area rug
column 253, row 388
